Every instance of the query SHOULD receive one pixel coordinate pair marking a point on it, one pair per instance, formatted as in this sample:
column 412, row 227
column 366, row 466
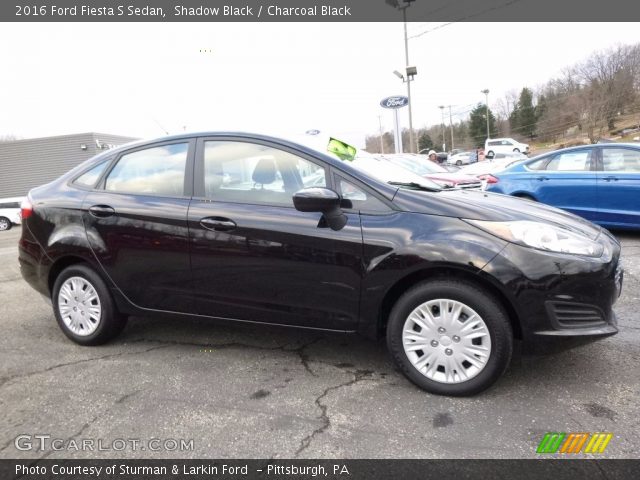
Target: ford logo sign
column 394, row 102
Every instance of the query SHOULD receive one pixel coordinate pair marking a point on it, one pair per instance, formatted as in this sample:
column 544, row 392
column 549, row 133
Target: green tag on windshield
column 343, row 150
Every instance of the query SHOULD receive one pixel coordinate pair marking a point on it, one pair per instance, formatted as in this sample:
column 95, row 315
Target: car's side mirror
column 323, row 200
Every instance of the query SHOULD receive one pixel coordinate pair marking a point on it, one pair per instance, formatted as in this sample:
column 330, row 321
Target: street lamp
column 486, row 95
column 444, row 143
column 403, row 5
column 451, row 127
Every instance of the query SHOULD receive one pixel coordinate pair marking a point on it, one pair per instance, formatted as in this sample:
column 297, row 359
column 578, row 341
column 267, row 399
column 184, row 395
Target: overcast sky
column 144, row 79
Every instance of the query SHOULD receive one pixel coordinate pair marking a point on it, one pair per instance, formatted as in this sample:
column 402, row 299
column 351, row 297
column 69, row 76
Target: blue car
column 598, row 182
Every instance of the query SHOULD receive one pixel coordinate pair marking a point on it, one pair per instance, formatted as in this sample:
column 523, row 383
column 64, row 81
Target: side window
column 90, row 177
column 153, row 171
column 621, row 160
column 243, row 172
column 575, row 161
column 10, row 205
column 360, row 199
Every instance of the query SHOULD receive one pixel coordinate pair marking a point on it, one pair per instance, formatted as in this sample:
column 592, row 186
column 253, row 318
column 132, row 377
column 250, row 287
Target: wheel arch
column 63, row 262
column 449, row 273
column 527, row 195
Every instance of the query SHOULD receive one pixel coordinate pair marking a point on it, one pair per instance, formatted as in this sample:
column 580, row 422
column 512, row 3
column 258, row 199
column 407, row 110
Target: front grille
column 575, row 315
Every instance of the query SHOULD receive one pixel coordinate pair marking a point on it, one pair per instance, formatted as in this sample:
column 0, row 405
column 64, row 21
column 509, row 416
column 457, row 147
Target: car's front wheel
column 5, row 224
column 450, row 337
column 84, row 308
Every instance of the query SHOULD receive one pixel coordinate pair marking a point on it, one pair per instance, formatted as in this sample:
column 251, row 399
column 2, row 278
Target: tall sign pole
column 396, row 103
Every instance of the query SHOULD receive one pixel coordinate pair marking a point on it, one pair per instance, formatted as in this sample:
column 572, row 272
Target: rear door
column 619, row 186
column 136, row 222
column 254, row 256
column 568, row 181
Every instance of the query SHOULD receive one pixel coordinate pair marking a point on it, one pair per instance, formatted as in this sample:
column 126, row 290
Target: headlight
column 542, row 236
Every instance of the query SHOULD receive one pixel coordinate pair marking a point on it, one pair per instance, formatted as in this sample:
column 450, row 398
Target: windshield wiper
column 415, row 186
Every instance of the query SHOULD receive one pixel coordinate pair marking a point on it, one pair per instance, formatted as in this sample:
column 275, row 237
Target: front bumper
column 561, row 300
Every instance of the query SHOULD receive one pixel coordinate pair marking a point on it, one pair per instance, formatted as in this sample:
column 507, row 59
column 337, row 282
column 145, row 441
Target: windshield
column 382, row 170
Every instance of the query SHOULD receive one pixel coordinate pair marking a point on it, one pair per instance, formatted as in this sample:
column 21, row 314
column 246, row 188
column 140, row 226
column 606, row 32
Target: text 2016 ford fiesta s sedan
column 257, row 229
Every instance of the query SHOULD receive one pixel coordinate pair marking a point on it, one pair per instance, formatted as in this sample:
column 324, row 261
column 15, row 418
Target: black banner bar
column 556, row 469
column 318, row 10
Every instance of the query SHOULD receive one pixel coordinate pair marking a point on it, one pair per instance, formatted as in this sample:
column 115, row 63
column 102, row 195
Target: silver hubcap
column 4, row 224
column 446, row 341
column 79, row 306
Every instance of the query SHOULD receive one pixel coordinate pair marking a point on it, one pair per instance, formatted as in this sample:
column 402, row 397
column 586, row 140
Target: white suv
column 10, row 212
column 504, row 145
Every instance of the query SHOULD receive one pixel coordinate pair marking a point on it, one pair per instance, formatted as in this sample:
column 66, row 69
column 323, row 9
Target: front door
column 254, row 256
column 619, row 187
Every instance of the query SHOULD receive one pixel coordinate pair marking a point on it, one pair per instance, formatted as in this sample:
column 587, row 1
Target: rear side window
column 153, row 171
column 90, row 177
column 10, row 205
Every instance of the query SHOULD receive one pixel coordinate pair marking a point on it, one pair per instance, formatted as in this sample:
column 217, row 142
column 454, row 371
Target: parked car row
column 249, row 228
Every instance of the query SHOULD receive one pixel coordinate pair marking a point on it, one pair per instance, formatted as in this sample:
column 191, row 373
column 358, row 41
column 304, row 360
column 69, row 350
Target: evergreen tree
column 523, row 119
column 478, row 124
column 425, row 142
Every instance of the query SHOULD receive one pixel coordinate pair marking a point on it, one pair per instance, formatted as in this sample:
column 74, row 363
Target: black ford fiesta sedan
column 250, row 228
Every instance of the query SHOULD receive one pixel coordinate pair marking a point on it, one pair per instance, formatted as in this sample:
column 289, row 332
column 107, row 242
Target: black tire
column 110, row 322
column 458, row 162
column 490, row 154
column 484, row 304
column 516, row 150
column 5, row 224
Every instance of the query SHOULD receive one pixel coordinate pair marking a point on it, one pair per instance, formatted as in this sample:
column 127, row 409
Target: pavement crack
column 304, row 356
column 8, row 379
column 358, row 376
column 300, row 351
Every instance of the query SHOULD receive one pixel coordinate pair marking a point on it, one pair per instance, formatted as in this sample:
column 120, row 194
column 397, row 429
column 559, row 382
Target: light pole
column 444, row 143
column 451, row 127
column 486, row 96
column 405, row 4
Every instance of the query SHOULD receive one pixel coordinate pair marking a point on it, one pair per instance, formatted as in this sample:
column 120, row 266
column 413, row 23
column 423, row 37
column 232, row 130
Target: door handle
column 540, row 179
column 102, row 211
column 219, row 224
column 610, row 178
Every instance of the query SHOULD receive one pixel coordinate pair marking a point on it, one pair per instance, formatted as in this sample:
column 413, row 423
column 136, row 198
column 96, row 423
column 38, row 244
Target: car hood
column 456, row 178
column 478, row 205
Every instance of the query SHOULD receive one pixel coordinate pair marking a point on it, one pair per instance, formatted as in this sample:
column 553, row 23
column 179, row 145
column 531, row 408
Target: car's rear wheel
column 5, row 224
column 84, row 308
column 490, row 154
column 450, row 337
column 458, row 162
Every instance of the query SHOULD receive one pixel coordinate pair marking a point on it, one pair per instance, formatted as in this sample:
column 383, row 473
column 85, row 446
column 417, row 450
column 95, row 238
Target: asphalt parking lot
column 254, row 392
